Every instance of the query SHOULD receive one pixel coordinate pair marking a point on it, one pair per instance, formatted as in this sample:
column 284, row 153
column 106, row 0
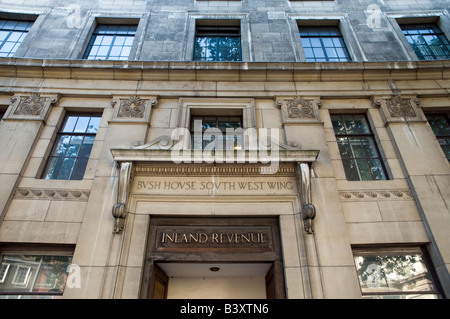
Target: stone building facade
column 333, row 183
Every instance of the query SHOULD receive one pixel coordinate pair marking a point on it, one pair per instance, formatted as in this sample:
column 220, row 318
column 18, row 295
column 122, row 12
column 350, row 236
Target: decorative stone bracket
column 399, row 108
column 308, row 209
column 299, row 110
column 31, row 107
column 119, row 209
column 133, row 109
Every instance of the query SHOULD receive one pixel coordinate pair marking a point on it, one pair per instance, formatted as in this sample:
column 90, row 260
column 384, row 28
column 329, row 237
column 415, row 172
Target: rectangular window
column 202, row 126
column 427, row 40
column 12, row 33
column 218, row 42
column 359, row 152
column 111, row 42
column 395, row 274
column 72, row 148
column 323, row 44
column 32, row 275
column 440, row 125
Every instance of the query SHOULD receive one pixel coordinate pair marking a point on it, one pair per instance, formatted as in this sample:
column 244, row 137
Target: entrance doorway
column 214, row 281
column 213, row 258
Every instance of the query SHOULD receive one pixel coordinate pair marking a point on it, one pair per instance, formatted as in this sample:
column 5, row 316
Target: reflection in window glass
column 428, row 41
column 33, row 276
column 440, row 125
column 225, row 126
column 359, row 152
column 12, row 33
column 72, row 148
column 217, row 43
column 395, row 275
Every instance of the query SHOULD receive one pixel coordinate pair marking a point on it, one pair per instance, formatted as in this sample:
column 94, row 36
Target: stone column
column 19, row 132
column 100, row 244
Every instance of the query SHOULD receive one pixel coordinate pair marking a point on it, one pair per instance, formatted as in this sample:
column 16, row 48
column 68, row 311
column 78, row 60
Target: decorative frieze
column 299, row 110
column 133, row 109
column 31, row 107
column 375, row 194
column 201, row 170
column 52, row 194
column 399, row 109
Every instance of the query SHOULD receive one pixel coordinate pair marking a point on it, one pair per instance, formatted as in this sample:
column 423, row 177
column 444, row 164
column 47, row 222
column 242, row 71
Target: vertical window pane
column 440, row 125
column 72, row 148
column 357, row 147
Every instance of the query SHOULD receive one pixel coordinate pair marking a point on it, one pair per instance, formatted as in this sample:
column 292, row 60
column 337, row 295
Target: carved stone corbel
column 119, row 209
column 31, row 107
column 398, row 108
column 133, row 109
column 299, row 110
column 308, row 209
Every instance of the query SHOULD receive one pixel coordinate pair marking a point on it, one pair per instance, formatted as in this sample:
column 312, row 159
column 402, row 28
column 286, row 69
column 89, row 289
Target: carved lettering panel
column 213, row 185
column 214, row 238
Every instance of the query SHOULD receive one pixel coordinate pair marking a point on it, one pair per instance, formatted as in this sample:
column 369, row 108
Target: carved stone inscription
column 213, row 185
column 214, row 237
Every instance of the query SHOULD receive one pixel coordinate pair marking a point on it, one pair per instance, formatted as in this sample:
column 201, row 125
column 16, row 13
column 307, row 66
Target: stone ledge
column 223, row 71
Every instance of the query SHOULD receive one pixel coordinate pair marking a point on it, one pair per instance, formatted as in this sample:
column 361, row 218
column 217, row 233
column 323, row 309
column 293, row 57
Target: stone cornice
column 149, row 155
column 223, row 71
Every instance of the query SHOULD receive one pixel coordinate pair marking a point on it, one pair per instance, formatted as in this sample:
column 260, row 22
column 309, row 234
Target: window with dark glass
column 359, row 152
column 225, row 126
column 72, row 148
column 111, row 42
column 441, row 127
column 30, row 275
column 217, row 43
column 427, row 40
column 12, row 33
column 395, row 274
column 323, row 44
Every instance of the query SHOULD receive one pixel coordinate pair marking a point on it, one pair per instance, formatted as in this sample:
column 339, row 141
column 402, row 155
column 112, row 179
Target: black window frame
column 79, row 174
column 217, row 32
column 320, row 33
column 419, row 30
column 370, row 136
column 407, row 250
column 50, row 250
column 204, row 118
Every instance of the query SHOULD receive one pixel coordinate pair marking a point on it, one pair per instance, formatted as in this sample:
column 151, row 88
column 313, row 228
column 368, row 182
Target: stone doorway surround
column 150, row 184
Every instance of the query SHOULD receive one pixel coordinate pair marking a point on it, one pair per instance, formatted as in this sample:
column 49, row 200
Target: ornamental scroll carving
column 299, row 109
column 119, row 211
column 399, row 109
column 134, row 108
column 31, row 107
